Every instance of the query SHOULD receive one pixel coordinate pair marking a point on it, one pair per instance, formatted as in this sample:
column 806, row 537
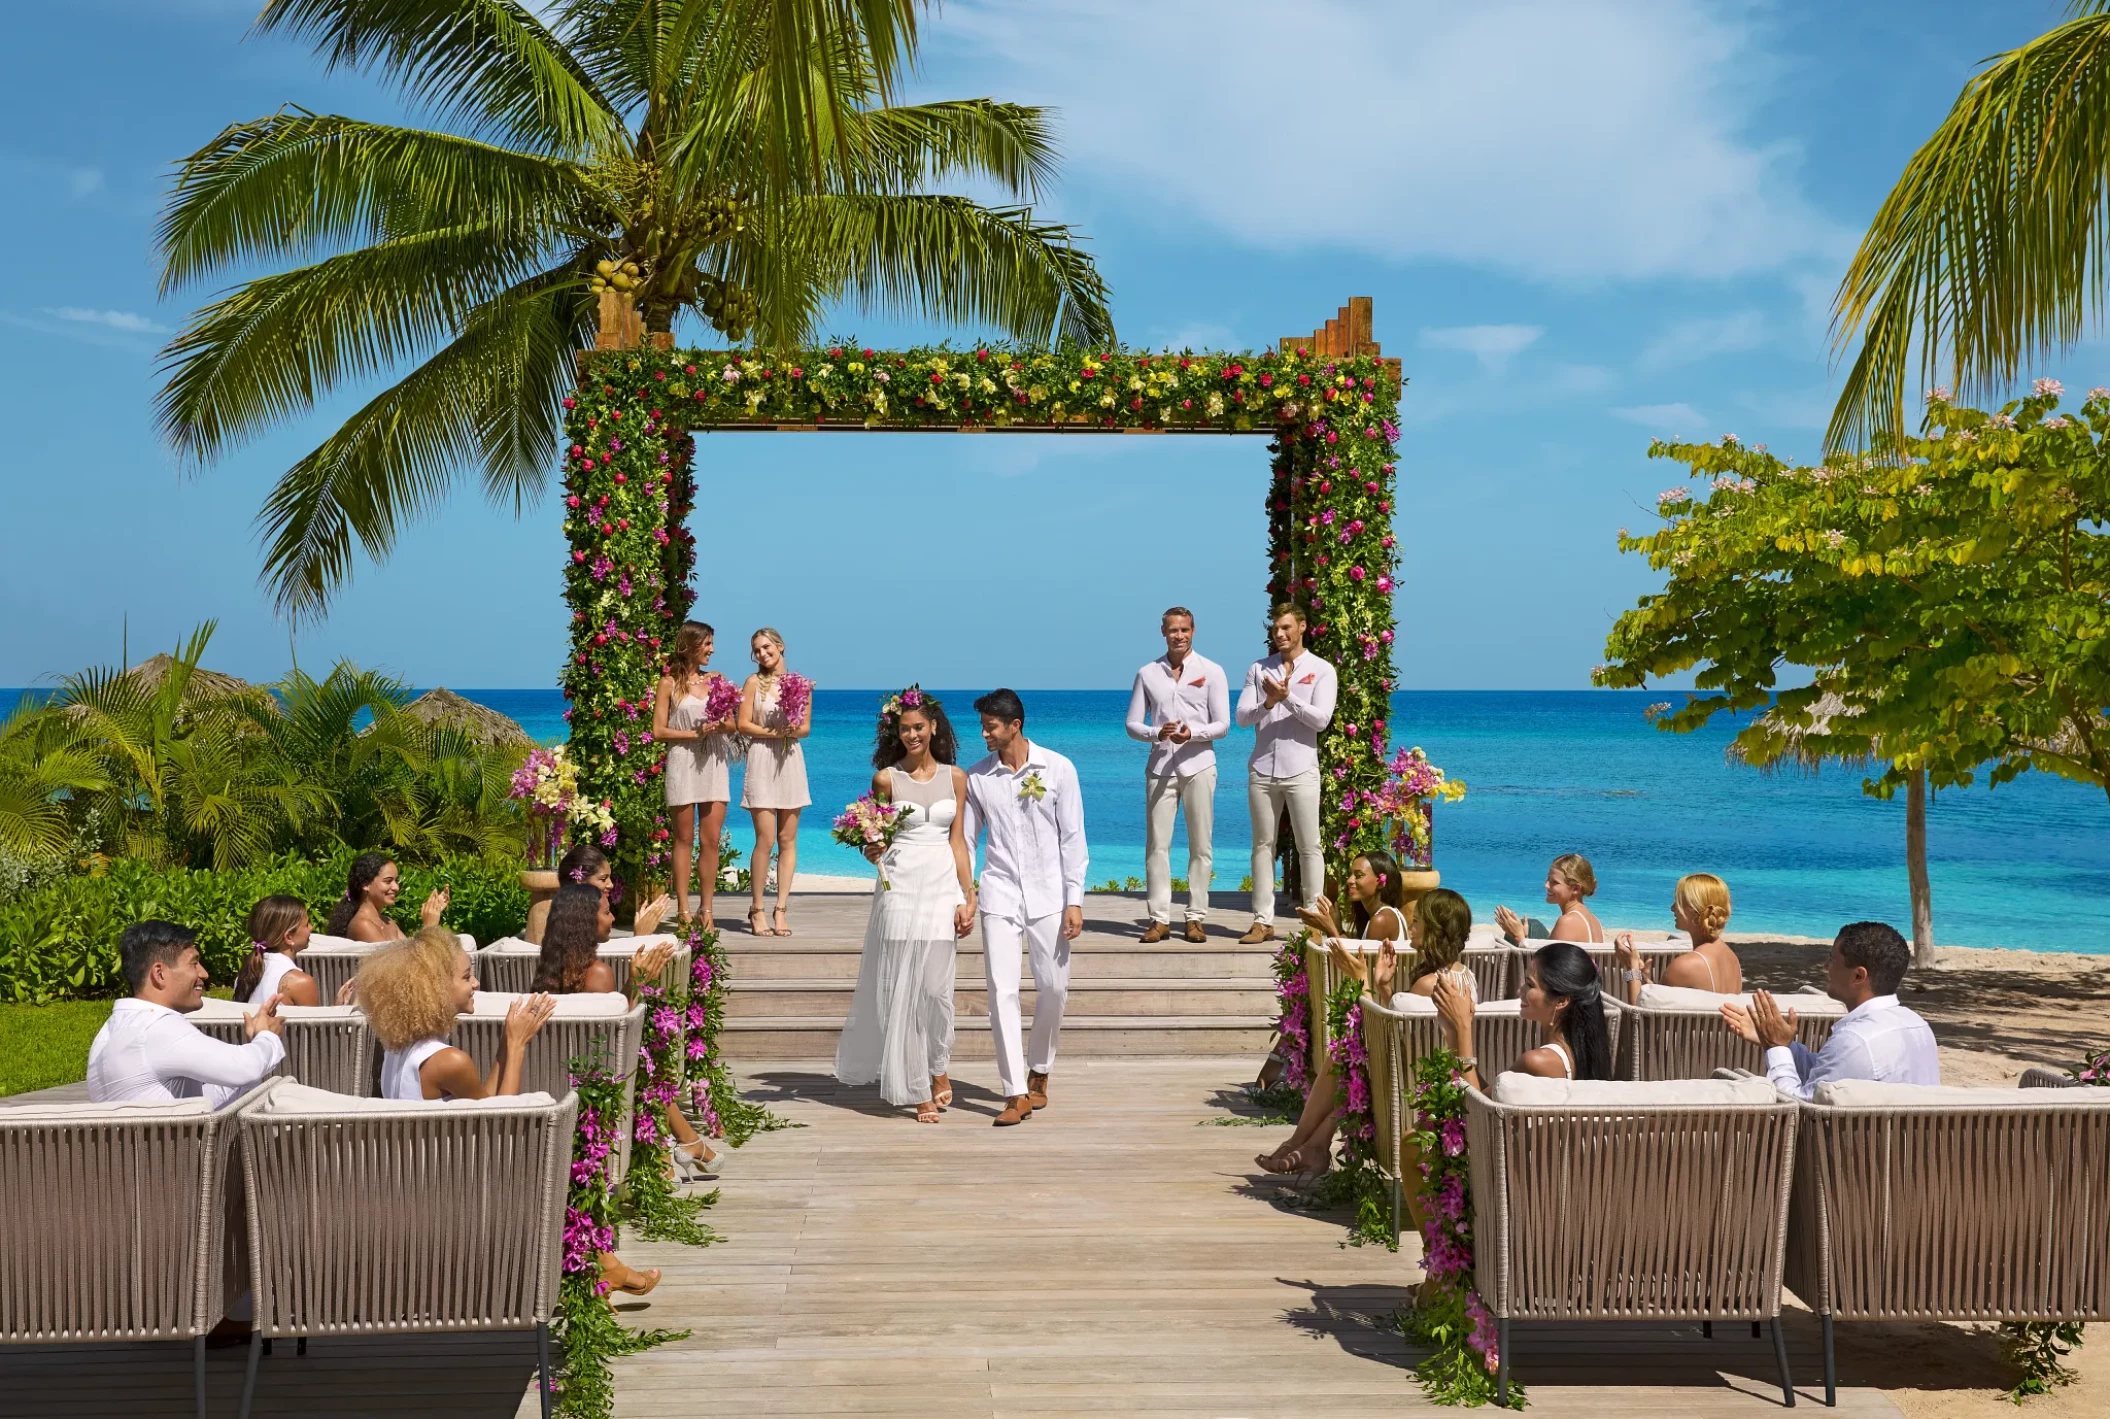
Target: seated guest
column 1700, row 908
column 579, row 921
column 278, row 930
column 587, row 863
column 1562, row 995
column 1374, row 904
column 411, row 992
column 1876, row 1038
column 1568, row 881
column 146, row 1052
column 370, row 889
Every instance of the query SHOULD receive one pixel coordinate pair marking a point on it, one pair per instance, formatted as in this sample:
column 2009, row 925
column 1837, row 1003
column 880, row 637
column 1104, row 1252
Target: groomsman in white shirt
column 1180, row 706
column 1288, row 698
column 1877, row 1038
column 147, row 1052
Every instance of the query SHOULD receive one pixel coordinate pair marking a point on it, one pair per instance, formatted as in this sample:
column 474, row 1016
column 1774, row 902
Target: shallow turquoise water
column 1559, row 771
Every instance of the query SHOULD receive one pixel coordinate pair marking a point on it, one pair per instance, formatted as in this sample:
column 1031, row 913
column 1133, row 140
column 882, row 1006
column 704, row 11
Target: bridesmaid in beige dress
column 699, row 774
column 775, row 790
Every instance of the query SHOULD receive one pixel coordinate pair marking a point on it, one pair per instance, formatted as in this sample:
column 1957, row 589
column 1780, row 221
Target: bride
column 900, row 1027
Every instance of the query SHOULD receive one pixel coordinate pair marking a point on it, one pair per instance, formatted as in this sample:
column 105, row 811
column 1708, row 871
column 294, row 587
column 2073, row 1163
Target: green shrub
column 59, row 942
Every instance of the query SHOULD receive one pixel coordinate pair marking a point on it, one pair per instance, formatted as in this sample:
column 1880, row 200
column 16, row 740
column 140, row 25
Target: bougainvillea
column 713, row 1099
column 660, row 1212
column 629, row 486
column 1448, row 1315
column 1293, row 1023
column 1355, row 1178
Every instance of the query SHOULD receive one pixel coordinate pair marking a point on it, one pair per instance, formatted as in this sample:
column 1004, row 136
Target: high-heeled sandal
column 640, row 1283
column 754, row 923
column 783, row 920
column 941, row 1090
column 687, row 1166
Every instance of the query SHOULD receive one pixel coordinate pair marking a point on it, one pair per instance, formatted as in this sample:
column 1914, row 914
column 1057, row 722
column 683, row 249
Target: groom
column 1032, row 891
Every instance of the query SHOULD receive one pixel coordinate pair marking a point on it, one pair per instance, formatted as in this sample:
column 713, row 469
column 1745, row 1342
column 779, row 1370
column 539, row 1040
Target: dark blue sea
column 1559, row 771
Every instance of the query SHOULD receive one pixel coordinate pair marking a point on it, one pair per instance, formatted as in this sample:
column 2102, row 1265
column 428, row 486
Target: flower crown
column 914, row 697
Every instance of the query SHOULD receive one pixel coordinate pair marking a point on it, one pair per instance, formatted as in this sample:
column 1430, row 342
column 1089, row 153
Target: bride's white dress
column 900, row 1027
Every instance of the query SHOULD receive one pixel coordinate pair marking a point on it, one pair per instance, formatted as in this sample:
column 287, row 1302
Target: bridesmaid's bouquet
column 721, row 702
column 794, row 697
column 870, row 823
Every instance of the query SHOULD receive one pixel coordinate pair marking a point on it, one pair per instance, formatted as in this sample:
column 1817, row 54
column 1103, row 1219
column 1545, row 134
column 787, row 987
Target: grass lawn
column 42, row 1046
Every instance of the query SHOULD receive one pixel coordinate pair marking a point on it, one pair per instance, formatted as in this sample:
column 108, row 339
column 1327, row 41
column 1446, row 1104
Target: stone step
column 1083, row 1037
column 1089, row 960
column 1126, row 996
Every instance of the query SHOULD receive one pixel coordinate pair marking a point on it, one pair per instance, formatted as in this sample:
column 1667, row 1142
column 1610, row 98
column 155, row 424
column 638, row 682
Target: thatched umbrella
column 444, row 709
column 1776, row 742
column 204, row 684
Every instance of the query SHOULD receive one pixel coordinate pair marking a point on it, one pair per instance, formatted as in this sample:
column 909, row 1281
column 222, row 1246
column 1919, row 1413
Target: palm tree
column 743, row 158
column 1991, row 250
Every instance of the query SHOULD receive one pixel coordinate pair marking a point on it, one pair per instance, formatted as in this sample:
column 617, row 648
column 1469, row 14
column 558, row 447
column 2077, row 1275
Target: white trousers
column 1266, row 797
column 1003, row 940
column 1194, row 797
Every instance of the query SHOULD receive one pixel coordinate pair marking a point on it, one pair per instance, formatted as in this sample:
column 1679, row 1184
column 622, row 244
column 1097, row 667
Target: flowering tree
column 1951, row 589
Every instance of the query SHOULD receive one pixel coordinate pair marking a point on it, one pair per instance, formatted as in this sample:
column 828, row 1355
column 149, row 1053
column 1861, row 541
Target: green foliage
column 743, row 158
column 1953, row 590
column 2038, row 1351
column 1355, row 1180
column 60, row 941
column 47, row 1045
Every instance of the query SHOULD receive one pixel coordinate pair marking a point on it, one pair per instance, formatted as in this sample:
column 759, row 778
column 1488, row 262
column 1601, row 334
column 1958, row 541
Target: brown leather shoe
column 1261, row 931
column 1037, row 1091
column 1195, row 932
column 1016, row 1110
column 1157, row 931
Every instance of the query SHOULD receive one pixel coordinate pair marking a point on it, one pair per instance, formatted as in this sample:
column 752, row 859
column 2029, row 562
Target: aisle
column 1114, row 1256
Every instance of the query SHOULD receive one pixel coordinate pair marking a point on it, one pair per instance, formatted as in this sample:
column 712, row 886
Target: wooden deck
column 1115, row 1256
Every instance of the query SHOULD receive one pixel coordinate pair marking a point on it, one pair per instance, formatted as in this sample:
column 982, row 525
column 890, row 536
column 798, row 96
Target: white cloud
column 1690, row 341
column 1581, row 379
column 1570, row 141
column 1673, row 418
column 1494, row 346
column 123, row 320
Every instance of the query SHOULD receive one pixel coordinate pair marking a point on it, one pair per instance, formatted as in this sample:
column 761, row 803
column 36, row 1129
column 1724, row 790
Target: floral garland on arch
column 1447, row 1314
column 1293, row 1023
column 660, row 1212
column 587, row 1332
column 1355, row 1179
column 713, row 1098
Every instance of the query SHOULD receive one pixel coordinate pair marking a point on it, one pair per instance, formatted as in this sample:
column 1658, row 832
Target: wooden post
column 622, row 328
column 1916, row 869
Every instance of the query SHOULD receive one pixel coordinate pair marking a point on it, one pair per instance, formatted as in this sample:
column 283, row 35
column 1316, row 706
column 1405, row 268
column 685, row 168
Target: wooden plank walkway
column 1115, row 1256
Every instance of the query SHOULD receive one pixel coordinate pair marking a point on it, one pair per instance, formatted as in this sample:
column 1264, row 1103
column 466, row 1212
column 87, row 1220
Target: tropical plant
column 1950, row 590
column 739, row 160
column 1990, row 251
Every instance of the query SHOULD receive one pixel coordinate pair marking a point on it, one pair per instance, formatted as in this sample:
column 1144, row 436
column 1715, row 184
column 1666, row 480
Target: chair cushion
column 214, row 1008
column 291, row 1098
column 579, row 1005
column 1869, row 1094
column 318, row 1012
column 513, row 946
column 1807, row 1001
column 1408, row 1003
column 82, row 1112
column 1530, row 1091
column 337, row 944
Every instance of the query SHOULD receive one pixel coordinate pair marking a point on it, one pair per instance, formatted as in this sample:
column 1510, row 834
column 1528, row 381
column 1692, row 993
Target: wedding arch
column 1328, row 402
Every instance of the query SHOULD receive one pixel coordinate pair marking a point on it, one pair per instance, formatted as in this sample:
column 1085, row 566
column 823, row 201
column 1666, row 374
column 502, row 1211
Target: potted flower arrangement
column 1406, row 804
column 546, row 785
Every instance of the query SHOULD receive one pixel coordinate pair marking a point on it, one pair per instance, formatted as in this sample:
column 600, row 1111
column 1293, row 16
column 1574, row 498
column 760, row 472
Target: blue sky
column 1584, row 222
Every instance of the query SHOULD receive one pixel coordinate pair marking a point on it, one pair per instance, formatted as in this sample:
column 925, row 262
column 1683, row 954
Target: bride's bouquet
column 870, row 823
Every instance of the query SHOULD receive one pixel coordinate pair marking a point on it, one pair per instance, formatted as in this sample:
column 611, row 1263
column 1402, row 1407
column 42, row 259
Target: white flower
column 731, row 375
column 2050, row 387
column 2001, row 421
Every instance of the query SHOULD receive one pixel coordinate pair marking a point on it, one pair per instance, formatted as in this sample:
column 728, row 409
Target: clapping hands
column 264, row 1020
column 649, row 962
column 435, row 904
column 649, row 915
column 1764, row 1024
column 1321, row 916
column 525, row 1018
column 1511, row 925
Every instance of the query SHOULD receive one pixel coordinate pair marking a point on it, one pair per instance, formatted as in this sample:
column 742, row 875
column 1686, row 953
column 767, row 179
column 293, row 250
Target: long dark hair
column 1567, row 973
column 682, row 663
column 1390, row 891
column 569, row 939
column 365, row 868
column 944, row 744
column 271, row 921
column 583, row 861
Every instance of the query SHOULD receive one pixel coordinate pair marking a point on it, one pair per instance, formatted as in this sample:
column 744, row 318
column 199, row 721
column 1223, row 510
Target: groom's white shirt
column 1034, row 863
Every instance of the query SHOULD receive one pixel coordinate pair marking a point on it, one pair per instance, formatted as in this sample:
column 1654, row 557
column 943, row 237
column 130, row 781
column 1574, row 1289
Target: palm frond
column 295, row 185
column 490, row 64
column 1989, row 253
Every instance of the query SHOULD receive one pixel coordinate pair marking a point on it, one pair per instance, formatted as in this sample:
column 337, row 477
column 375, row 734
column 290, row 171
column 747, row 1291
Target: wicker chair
column 1956, row 1204
column 1672, row 1042
column 1495, row 969
column 1611, row 976
column 2038, row 1077
column 139, row 1196
column 614, row 1039
column 1323, row 974
column 333, row 960
column 509, row 965
column 327, row 1046
column 1396, row 1041
column 1632, row 1209
column 377, row 1217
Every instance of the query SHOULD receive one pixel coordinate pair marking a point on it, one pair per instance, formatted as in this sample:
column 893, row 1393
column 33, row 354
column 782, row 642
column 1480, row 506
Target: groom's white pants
column 1004, row 939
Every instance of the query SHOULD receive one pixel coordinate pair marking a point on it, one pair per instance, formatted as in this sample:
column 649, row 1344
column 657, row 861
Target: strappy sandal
column 783, row 917
column 941, row 1090
column 927, row 1111
column 1286, row 1162
column 754, row 923
column 687, row 1166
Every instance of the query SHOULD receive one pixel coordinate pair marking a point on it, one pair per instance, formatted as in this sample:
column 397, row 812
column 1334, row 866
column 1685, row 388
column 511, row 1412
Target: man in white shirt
column 147, row 1052
column 1876, row 1039
column 1032, row 891
column 1288, row 698
column 1180, row 706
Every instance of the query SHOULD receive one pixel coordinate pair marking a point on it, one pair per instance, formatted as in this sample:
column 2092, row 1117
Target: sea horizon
column 1552, row 771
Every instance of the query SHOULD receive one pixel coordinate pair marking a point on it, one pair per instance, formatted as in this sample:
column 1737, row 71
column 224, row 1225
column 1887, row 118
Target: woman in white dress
column 900, row 1028
column 699, row 772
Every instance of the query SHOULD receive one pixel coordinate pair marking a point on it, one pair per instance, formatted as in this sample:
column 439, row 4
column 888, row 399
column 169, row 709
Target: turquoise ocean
column 1565, row 771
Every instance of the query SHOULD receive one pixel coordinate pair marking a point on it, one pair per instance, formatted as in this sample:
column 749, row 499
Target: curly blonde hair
column 1705, row 898
column 406, row 988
